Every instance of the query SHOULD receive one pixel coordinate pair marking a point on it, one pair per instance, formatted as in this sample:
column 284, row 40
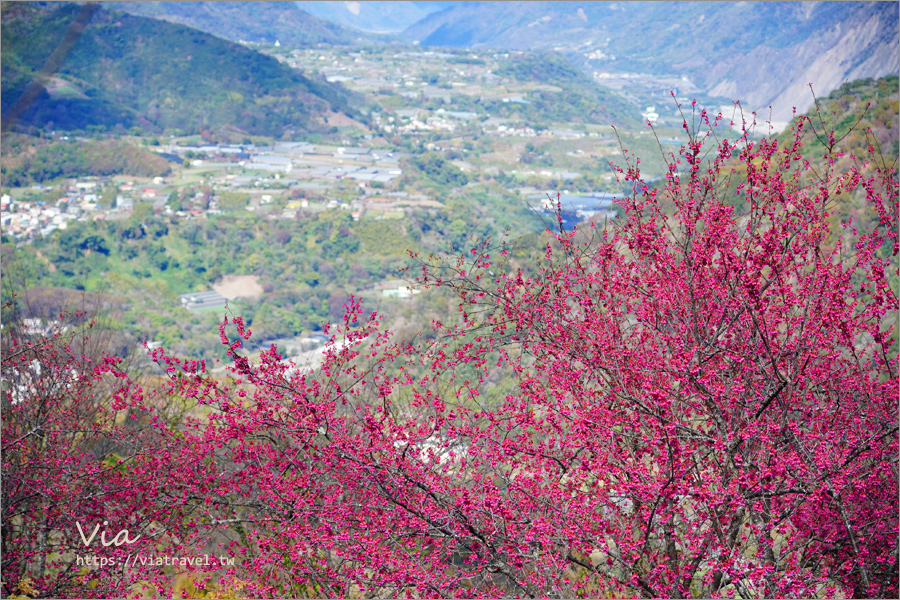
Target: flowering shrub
column 698, row 402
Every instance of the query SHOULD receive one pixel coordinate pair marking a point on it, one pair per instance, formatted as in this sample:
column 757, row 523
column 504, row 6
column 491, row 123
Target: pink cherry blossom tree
column 691, row 400
column 704, row 402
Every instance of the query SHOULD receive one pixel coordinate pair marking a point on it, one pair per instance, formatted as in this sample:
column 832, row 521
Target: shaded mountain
column 763, row 53
column 375, row 16
column 124, row 71
column 262, row 22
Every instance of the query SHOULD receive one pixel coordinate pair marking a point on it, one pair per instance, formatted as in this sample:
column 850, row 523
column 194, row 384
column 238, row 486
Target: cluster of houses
column 410, row 120
column 24, row 219
column 292, row 163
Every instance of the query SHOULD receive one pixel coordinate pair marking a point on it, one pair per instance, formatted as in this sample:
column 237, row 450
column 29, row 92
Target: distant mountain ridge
column 293, row 23
column 127, row 71
column 261, row 22
column 762, row 53
column 373, row 15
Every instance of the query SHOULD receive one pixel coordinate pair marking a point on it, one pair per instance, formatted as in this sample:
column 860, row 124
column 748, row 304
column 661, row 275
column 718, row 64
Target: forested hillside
column 580, row 100
column 27, row 159
column 126, row 71
column 307, row 266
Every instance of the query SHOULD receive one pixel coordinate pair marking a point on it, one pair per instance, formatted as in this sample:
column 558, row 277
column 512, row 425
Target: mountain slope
column 580, row 99
column 263, row 22
column 128, row 71
column 763, row 53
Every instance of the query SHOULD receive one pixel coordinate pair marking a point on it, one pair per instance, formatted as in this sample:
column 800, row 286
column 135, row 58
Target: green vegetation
column 580, row 101
column 439, row 171
column 233, row 200
column 27, row 160
column 549, row 67
column 127, row 71
column 307, row 267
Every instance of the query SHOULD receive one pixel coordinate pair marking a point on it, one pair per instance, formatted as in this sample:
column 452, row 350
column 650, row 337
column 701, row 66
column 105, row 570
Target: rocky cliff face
column 865, row 45
column 762, row 53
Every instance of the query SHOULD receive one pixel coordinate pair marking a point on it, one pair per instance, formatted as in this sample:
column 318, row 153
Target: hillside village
column 275, row 180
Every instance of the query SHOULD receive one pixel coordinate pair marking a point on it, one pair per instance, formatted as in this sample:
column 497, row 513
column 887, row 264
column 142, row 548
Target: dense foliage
column 440, row 171
column 301, row 264
column 38, row 162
